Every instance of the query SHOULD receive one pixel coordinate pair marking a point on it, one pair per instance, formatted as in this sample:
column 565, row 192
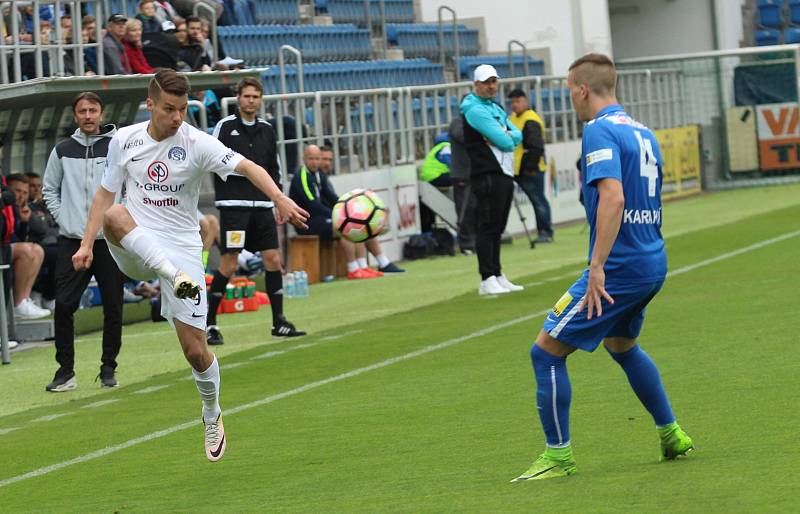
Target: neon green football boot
column 674, row 442
column 553, row 463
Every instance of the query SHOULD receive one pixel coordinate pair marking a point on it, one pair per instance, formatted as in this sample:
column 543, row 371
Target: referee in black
column 247, row 220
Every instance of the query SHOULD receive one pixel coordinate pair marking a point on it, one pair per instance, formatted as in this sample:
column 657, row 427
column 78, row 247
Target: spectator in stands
column 66, row 28
column 311, row 187
column 490, row 139
column 165, row 11
column 147, row 17
column 74, row 170
column 26, row 257
column 208, row 45
column 191, row 51
column 530, row 165
column 181, row 32
column 435, row 170
column 462, row 191
column 89, row 35
column 133, row 47
column 185, row 8
column 195, row 27
column 161, row 49
column 114, row 57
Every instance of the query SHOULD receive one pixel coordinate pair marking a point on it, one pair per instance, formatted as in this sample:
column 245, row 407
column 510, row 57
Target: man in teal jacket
column 490, row 139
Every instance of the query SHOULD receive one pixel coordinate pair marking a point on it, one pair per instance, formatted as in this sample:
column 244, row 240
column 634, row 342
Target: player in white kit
column 161, row 165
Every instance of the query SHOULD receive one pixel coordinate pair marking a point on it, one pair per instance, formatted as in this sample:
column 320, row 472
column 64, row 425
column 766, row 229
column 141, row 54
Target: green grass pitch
column 412, row 394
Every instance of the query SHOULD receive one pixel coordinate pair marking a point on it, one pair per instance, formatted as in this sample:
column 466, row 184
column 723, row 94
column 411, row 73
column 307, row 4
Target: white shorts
column 186, row 255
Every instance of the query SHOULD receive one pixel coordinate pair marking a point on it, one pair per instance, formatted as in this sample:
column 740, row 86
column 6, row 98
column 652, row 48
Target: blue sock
column 553, row 396
column 646, row 383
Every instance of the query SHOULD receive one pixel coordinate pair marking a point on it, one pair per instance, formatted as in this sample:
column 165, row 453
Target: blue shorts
column 622, row 319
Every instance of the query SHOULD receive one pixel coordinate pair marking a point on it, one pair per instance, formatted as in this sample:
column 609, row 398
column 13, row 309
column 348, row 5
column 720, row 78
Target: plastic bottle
column 303, row 284
column 289, row 285
column 298, row 284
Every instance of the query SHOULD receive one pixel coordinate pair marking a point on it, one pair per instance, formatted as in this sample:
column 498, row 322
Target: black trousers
column 465, row 210
column 70, row 285
column 493, row 194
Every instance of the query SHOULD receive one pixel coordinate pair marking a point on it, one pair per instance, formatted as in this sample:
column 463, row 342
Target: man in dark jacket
column 490, row 140
column 114, row 57
column 72, row 177
column 530, row 165
column 312, row 190
column 462, row 192
column 247, row 217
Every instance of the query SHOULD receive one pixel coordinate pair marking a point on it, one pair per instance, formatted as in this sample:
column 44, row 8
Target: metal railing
column 375, row 128
column 456, row 48
column 53, row 52
column 525, row 65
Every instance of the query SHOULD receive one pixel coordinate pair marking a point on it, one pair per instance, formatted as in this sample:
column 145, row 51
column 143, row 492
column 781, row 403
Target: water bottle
column 86, row 299
column 303, row 284
column 298, row 284
column 289, row 285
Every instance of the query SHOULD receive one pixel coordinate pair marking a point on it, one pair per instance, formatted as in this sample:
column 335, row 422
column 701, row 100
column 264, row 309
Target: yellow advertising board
column 680, row 151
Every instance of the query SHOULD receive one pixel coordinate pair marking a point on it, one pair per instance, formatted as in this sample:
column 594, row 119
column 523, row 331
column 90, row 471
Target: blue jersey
column 617, row 146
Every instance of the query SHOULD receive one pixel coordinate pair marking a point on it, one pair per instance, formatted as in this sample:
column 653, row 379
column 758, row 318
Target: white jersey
column 163, row 178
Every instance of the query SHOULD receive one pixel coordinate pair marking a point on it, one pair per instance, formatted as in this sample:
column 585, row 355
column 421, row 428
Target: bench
column 317, row 257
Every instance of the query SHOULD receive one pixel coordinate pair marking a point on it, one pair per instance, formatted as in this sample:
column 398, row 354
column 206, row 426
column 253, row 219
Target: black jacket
column 316, row 199
column 533, row 142
column 255, row 142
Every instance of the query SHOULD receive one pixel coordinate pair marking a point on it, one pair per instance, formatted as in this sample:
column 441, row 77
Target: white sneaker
column 505, row 283
column 28, row 310
column 491, row 286
column 12, row 344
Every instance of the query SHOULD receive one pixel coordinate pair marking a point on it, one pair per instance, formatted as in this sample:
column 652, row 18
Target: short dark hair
column 249, row 82
column 16, row 177
column 168, row 81
column 32, row 174
column 89, row 96
column 517, row 93
column 596, row 71
column 325, row 148
column 193, row 19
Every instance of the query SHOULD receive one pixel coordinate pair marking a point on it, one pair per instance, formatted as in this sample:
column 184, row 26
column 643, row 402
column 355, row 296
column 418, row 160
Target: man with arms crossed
column 622, row 174
column 161, row 164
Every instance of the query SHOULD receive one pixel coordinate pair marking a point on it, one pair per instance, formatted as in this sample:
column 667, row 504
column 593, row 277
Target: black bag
column 418, row 246
column 445, row 243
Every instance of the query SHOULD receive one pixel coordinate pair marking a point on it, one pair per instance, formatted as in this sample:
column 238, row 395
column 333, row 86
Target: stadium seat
column 794, row 12
column 792, row 35
column 770, row 13
column 766, row 37
column 468, row 64
column 422, row 39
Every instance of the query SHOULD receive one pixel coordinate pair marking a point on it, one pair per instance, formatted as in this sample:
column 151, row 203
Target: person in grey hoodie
column 490, row 139
column 72, row 177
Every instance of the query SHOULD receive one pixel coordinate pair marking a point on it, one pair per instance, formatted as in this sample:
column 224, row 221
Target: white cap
column 484, row 72
column 167, row 25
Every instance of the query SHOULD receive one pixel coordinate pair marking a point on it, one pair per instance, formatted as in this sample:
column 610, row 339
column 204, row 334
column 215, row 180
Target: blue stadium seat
column 770, row 13
column 766, row 37
column 422, row 40
column 794, row 12
column 791, row 35
column 468, row 64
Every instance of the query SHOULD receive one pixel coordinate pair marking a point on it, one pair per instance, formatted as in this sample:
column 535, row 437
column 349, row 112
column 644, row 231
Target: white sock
column 138, row 241
column 208, row 385
column 352, row 266
column 383, row 261
column 362, row 262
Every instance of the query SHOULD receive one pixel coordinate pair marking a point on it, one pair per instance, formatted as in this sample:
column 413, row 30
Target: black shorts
column 318, row 226
column 247, row 228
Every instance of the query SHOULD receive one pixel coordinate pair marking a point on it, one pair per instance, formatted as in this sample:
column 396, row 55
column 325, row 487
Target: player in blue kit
column 621, row 172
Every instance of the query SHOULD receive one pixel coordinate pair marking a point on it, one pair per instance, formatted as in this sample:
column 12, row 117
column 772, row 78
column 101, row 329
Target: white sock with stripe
column 208, row 385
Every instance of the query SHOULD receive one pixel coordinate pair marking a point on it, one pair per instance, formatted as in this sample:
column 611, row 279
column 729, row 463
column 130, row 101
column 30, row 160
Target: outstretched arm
column 286, row 208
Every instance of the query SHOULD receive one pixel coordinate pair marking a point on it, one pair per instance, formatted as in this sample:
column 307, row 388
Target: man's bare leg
column 26, row 261
column 205, row 370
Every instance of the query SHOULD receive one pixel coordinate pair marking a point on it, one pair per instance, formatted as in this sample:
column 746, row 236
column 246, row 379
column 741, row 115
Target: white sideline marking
column 268, row 355
column 151, row 389
column 232, row 365
column 553, row 279
column 4, row 431
column 359, row 371
column 50, row 417
column 99, row 404
column 339, row 336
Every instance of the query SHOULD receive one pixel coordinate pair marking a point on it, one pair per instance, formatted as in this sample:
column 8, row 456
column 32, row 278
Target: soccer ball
column 360, row 215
